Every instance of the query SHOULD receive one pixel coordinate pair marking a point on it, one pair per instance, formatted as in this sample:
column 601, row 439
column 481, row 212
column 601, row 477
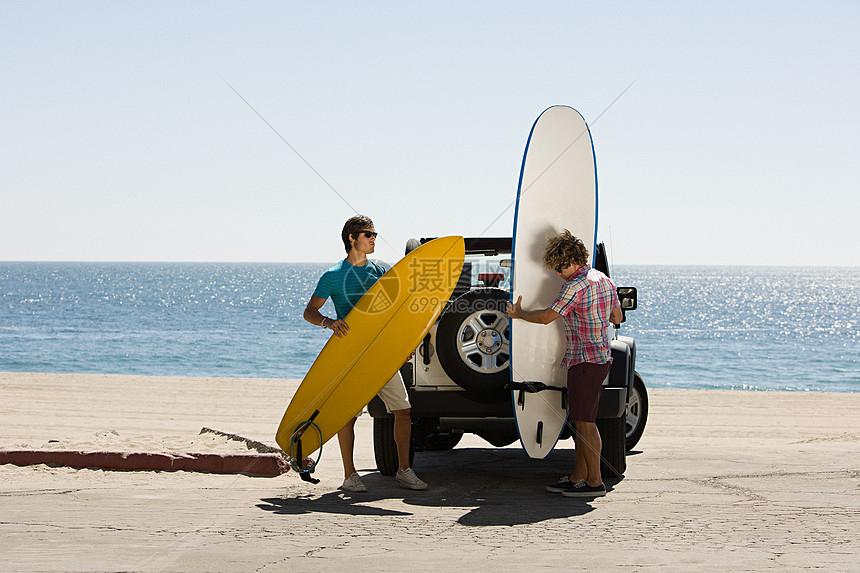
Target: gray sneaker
column 354, row 484
column 408, row 478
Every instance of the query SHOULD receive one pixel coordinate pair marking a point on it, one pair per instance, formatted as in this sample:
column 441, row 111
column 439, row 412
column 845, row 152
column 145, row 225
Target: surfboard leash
column 534, row 388
column 296, row 457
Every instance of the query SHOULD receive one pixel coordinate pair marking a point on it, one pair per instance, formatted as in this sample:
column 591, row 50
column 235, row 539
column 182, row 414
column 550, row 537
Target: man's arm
column 313, row 315
column 543, row 316
column 616, row 316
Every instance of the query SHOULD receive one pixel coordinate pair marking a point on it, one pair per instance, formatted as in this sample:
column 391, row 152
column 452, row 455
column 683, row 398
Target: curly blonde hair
column 564, row 249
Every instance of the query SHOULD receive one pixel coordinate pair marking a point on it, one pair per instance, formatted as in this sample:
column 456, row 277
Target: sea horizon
column 332, row 262
column 791, row 328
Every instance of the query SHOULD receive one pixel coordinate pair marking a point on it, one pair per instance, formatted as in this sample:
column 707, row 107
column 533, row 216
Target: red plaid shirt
column 585, row 302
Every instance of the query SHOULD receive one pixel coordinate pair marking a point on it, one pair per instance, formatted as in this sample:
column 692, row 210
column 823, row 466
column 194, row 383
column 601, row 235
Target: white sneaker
column 354, row 484
column 408, row 478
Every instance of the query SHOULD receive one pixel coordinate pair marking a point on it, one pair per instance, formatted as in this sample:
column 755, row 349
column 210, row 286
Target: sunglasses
column 560, row 268
column 368, row 234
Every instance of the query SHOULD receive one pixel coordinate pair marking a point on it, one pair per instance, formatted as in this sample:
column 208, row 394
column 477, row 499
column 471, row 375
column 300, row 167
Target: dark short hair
column 564, row 249
column 352, row 227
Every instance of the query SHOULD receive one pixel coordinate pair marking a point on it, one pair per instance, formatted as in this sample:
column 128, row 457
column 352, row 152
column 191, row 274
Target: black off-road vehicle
column 458, row 378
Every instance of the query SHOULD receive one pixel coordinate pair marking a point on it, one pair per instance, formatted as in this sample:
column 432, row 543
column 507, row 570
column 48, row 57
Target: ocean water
column 755, row 328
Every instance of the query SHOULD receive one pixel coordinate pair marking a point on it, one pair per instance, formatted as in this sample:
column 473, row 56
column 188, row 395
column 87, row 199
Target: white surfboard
column 557, row 191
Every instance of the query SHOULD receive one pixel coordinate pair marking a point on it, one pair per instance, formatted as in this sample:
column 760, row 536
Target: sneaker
column 354, row 484
column 563, row 484
column 582, row 489
column 408, row 478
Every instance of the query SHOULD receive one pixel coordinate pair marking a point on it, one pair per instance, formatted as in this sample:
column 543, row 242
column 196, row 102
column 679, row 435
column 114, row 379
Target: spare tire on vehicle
column 473, row 340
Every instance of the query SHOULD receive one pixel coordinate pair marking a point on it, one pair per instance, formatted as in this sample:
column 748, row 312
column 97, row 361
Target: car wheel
column 385, row 448
column 637, row 412
column 473, row 340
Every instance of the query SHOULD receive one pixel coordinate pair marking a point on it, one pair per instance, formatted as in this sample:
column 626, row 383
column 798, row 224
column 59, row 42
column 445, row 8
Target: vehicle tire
column 411, row 245
column 385, row 448
column 473, row 340
column 442, row 442
column 613, row 456
column 637, row 412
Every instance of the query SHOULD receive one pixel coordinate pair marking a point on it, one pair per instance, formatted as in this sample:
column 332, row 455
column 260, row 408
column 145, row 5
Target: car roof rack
column 484, row 245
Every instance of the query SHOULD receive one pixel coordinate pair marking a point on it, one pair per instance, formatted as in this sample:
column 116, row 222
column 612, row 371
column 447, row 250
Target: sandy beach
column 741, row 481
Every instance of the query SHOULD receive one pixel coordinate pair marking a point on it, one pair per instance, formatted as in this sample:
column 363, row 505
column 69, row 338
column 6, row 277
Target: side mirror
column 627, row 296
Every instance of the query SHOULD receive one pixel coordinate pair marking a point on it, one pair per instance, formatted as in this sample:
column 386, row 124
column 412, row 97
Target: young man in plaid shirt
column 588, row 302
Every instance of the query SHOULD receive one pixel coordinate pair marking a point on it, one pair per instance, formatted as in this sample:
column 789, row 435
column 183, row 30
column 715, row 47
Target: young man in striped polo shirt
column 588, row 302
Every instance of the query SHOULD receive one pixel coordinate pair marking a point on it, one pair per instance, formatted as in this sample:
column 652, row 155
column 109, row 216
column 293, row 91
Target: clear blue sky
column 120, row 140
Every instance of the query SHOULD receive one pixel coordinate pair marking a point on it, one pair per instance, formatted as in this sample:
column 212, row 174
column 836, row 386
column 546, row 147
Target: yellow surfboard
column 385, row 327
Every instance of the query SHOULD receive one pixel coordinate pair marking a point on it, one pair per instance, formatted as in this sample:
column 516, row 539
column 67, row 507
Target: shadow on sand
column 502, row 486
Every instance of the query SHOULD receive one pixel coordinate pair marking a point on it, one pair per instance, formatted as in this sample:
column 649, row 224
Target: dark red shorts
column 584, row 386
